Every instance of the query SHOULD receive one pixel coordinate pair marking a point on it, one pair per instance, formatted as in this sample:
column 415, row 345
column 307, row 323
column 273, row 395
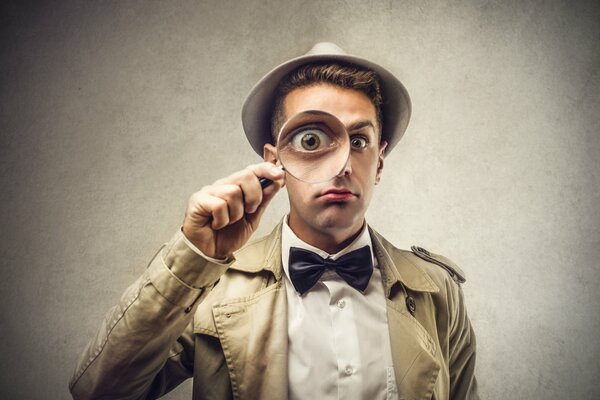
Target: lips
column 337, row 194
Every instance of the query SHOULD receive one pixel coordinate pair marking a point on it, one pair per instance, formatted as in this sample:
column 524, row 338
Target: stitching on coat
column 100, row 348
column 227, row 356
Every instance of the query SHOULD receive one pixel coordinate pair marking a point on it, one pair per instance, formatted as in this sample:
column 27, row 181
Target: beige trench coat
column 226, row 326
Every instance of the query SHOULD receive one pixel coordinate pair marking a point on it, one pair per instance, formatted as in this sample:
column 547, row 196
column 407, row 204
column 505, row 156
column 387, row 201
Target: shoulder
column 420, row 268
column 443, row 262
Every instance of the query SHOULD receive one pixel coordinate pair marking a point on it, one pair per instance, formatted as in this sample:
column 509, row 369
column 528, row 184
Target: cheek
column 369, row 162
column 298, row 191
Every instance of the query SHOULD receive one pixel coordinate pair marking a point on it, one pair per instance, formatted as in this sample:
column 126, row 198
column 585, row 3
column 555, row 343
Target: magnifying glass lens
column 313, row 146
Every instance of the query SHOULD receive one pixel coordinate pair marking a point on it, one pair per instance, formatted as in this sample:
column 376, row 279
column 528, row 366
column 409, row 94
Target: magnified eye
column 359, row 142
column 310, row 140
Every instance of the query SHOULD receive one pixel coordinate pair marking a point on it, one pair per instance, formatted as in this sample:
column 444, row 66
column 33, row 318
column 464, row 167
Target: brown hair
column 345, row 75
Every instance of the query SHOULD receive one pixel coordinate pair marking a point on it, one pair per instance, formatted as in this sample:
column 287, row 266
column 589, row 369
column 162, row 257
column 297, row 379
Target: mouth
column 336, row 195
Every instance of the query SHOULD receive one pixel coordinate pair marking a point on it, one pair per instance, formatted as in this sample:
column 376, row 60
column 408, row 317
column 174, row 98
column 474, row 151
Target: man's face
column 335, row 208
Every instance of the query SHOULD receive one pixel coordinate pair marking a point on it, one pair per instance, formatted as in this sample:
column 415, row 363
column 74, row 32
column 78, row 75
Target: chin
column 338, row 216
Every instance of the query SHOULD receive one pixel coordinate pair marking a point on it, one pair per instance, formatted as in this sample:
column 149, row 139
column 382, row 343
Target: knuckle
column 246, row 175
column 220, row 206
column 234, row 190
column 195, row 199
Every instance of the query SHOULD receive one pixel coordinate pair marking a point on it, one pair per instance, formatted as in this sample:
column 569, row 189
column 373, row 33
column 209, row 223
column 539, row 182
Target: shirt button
column 341, row 304
column 349, row 370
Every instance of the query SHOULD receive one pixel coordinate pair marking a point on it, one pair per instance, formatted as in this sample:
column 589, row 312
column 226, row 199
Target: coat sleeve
column 144, row 347
column 462, row 346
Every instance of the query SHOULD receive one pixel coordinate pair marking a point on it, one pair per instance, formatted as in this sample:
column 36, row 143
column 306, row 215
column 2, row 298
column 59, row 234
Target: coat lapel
column 413, row 354
column 413, row 349
column 252, row 323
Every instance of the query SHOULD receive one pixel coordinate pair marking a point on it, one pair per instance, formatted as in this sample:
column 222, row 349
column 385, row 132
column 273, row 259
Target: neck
column 331, row 240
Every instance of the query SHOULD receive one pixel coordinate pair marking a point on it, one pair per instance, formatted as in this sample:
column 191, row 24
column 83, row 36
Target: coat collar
column 397, row 265
column 263, row 254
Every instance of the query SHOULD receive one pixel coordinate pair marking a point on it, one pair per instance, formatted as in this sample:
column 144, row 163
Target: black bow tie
column 306, row 267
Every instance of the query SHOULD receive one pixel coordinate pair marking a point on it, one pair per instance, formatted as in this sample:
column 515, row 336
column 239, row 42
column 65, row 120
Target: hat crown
column 325, row 48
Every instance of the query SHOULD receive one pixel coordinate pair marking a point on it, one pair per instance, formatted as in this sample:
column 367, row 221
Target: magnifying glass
column 312, row 146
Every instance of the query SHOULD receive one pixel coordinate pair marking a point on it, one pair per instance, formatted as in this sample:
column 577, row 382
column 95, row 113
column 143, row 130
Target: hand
column 221, row 217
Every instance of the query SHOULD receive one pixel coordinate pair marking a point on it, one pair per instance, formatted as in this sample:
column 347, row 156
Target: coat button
column 411, row 305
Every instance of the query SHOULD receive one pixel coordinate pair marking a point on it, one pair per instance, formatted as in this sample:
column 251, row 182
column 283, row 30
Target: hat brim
column 257, row 109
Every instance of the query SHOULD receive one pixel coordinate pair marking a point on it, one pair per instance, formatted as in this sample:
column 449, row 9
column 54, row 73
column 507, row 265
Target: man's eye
column 310, row 140
column 359, row 142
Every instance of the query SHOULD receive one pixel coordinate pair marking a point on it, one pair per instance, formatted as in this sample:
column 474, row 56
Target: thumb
column 268, row 195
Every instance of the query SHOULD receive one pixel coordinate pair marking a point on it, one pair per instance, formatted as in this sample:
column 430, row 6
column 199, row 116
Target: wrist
column 215, row 258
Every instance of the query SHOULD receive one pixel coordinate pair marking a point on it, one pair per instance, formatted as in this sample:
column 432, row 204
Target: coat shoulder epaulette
column 455, row 272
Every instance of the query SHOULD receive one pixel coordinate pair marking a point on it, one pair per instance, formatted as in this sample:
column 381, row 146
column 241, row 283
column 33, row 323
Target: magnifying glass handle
column 264, row 182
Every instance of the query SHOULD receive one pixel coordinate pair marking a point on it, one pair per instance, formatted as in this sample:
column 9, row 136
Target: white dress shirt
column 339, row 344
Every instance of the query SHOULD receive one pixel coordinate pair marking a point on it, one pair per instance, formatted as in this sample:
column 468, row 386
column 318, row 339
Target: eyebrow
column 359, row 125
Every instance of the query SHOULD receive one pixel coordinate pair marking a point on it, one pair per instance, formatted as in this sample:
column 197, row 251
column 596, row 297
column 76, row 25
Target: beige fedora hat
column 257, row 109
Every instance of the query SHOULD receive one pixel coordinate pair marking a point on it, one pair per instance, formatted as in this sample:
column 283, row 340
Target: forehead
column 349, row 105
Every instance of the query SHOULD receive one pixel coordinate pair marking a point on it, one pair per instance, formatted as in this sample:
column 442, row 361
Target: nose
column 347, row 170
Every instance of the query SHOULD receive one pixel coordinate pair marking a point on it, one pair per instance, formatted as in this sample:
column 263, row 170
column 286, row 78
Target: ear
column 270, row 153
column 380, row 157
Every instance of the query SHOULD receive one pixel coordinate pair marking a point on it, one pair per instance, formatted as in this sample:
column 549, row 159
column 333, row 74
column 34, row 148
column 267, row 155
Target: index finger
column 252, row 188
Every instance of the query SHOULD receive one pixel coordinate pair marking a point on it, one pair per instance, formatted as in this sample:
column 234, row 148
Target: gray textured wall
column 113, row 113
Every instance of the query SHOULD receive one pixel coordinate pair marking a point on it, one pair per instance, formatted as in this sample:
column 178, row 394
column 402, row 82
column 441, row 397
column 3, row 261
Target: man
column 323, row 307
